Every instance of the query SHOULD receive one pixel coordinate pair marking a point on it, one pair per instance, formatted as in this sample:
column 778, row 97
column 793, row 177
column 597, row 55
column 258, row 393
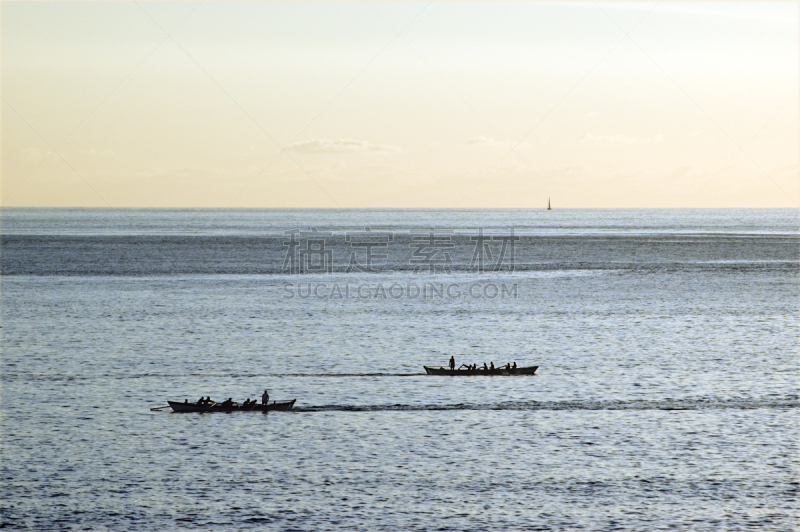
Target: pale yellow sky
column 409, row 104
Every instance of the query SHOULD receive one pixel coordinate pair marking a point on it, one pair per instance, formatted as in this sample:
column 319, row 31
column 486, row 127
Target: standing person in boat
column 265, row 398
column 452, row 363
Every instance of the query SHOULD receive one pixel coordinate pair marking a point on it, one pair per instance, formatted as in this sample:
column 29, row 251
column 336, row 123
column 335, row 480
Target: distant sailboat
column 548, row 203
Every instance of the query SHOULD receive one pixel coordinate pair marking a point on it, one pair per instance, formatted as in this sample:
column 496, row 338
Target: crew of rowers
column 206, row 401
column 490, row 367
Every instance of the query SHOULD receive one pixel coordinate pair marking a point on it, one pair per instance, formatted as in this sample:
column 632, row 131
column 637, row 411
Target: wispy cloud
column 620, row 139
column 33, row 154
column 339, row 146
column 485, row 141
column 98, row 153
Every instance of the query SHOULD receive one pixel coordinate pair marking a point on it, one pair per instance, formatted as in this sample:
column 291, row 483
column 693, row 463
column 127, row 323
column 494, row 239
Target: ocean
column 666, row 396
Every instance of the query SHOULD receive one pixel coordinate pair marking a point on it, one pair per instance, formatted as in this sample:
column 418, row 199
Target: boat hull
column 529, row 370
column 277, row 406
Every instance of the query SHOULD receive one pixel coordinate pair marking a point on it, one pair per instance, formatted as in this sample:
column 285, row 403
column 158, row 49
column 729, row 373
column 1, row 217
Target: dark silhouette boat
column 280, row 406
column 462, row 371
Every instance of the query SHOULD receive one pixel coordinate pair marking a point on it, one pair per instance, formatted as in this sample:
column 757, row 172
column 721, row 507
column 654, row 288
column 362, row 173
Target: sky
column 401, row 104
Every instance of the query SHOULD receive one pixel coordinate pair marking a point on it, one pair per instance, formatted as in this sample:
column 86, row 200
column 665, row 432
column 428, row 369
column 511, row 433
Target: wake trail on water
column 692, row 405
column 60, row 377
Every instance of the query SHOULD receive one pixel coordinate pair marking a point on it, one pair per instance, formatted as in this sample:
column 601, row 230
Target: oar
column 158, row 408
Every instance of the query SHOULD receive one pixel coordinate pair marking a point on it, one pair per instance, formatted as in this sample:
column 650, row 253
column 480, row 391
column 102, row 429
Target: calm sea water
column 666, row 399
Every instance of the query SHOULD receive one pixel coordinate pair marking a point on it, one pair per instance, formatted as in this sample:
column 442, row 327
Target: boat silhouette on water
column 468, row 371
column 276, row 406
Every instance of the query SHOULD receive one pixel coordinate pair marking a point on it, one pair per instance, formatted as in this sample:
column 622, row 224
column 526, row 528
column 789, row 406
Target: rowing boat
column 529, row 370
column 235, row 407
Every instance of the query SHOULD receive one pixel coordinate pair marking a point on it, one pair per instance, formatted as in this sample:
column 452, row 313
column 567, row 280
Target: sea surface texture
column 666, row 396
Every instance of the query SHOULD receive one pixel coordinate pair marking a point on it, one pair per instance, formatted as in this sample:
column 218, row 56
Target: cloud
column 99, row 153
column 786, row 170
column 338, row 146
column 507, row 144
column 620, row 139
column 33, row 154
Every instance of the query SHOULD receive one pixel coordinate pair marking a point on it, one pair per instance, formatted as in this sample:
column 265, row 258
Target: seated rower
column 228, row 402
